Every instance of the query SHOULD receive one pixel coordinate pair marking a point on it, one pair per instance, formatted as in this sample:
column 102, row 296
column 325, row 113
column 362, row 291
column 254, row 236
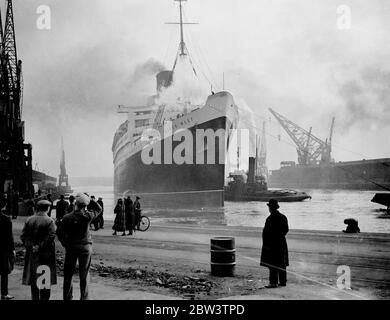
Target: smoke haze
column 287, row 55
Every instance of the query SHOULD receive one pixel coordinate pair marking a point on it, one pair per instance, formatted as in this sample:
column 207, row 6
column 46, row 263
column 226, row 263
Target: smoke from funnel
column 142, row 82
column 186, row 86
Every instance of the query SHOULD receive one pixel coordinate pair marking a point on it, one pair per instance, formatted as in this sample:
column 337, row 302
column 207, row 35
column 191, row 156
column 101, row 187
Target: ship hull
column 174, row 185
column 353, row 175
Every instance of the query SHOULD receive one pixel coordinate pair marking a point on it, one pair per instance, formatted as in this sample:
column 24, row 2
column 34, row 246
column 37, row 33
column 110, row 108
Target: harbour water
column 325, row 211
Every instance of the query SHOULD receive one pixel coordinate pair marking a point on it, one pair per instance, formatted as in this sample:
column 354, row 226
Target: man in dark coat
column 137, row 211
column 30, row 207
column 74, row 235
column 100, row 217
column 61, row 208
column 48, row 198
column 129, row 215
column 71, row 204
column 274, row 254
column 94, row 206
column 352, row 226
column 38, row 237
column 7, row 253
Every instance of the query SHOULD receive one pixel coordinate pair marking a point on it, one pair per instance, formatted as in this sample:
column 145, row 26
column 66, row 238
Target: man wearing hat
column 274, row 254
column 100, row 217
column 71, row 204
column 94, row 206
column 137, row 211
column 61, row 208
column 38, row 237
column 74, row 235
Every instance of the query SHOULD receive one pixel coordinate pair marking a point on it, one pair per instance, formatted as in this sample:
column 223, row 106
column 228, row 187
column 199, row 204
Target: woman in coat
column 7, row 253
column 129, row 215
column 274, row 254
column 119, row 222
column 38, row 237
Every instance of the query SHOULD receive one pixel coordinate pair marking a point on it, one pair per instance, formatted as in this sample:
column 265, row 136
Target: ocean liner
column 159, row 129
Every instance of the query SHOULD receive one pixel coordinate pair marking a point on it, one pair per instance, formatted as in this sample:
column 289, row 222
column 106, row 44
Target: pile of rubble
column 182, row 284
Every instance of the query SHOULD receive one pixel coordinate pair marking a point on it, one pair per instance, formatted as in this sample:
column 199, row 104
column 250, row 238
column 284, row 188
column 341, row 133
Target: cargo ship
column 180, row 174
column 317, row 170
column 354, row 175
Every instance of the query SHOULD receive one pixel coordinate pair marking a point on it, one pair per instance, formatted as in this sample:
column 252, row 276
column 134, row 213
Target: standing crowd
column 72, row 227
column 127, row 216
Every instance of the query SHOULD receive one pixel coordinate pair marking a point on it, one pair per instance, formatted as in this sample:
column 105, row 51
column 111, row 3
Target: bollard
column 223, row 256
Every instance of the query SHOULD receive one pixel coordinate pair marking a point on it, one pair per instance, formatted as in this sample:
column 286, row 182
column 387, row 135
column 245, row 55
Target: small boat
column 254, row 188
column 265, row 196
column 383, row 199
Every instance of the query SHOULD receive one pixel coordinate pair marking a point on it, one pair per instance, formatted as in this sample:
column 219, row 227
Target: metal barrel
column 223, row 256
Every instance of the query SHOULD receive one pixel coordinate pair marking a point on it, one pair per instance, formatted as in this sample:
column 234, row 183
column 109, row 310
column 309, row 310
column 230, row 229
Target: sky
column 288, row 55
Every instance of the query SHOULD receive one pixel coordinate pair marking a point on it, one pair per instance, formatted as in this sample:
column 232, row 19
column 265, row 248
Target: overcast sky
column 289, row 55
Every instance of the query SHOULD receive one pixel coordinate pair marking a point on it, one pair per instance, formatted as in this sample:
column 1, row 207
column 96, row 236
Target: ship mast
column 181, row 23
column 182, row 44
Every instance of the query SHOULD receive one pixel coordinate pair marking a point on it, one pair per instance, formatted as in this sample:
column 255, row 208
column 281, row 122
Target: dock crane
column 15, row 155
column 311, row 150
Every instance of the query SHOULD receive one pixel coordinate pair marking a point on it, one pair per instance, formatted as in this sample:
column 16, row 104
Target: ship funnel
column 164, row 79
column 251, row 171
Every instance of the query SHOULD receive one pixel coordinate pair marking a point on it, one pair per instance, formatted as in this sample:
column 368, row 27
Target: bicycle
column 144, row 224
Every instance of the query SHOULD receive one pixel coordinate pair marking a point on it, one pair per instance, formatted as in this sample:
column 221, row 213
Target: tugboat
column 243, row 187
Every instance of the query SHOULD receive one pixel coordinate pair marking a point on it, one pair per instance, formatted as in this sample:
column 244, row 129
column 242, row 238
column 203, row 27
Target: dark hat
column 137, row 198
column 273, row 204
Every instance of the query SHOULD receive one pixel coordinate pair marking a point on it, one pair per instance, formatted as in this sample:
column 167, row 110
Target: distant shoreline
column 91, row 181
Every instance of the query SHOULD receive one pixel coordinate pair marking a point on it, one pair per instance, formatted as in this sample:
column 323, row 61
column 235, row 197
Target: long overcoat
column 7, row 246
column 38, row 237
column 120, row 219
column 129, row 214
column 274, row 251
